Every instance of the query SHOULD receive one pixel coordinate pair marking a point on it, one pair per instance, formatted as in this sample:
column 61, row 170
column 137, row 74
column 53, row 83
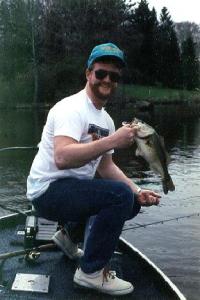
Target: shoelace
column 108, row 274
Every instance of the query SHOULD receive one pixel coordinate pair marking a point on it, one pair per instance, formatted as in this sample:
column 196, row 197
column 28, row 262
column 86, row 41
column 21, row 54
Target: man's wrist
column 138, row 191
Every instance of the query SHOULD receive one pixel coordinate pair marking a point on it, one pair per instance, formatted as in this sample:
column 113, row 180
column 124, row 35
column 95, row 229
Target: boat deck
column 128, row 265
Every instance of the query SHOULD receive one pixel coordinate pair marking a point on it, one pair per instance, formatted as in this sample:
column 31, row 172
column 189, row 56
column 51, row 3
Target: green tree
column 190, row 64
column 169, row 52
column 44, row 44
column 15, row 38
column 185, row 29
column 19, row 41
column 144, row 51
column 71, row 29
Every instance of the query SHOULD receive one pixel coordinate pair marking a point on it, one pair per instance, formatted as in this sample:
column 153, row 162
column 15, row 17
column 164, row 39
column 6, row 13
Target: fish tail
column 168, row 185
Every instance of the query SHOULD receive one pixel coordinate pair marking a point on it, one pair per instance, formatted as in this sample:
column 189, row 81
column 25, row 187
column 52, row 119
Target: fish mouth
column 141, row 134
column 144, row 137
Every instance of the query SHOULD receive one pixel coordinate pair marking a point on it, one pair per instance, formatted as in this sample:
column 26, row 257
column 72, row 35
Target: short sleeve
column 67, row 122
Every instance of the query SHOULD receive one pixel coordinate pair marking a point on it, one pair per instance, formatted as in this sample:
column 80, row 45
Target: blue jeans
column 75, row 200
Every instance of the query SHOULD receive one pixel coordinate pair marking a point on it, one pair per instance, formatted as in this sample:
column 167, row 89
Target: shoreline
column 125, row 103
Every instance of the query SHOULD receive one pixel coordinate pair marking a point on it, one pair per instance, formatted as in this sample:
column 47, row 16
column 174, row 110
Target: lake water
column 173, row 245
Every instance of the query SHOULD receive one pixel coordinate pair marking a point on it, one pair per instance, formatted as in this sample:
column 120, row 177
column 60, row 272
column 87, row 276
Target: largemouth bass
column 151, row 147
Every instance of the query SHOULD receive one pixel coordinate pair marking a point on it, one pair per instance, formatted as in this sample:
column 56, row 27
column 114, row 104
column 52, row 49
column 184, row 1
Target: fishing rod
column 31, row 251
column 161, row 221
column 18, row 148
column 15, row 210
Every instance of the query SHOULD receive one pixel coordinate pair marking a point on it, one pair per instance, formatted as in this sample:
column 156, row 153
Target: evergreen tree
column 169, row 62
column 145, row 52
column 190, row 64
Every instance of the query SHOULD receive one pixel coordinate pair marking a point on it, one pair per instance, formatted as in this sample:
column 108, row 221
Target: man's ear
column 87, row 73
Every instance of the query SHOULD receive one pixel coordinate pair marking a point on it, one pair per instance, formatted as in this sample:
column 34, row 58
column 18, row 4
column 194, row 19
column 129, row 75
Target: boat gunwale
column 153, row 266
column 13, row 219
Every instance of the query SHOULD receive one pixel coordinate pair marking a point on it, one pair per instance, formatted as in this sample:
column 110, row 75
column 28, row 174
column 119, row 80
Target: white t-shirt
column 76, row 117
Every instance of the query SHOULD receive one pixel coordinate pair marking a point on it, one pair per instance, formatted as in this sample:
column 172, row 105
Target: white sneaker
column 103, row 281
column 62, row 239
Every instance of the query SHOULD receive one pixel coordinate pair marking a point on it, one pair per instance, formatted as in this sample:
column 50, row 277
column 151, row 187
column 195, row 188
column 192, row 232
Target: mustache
column 109, row 85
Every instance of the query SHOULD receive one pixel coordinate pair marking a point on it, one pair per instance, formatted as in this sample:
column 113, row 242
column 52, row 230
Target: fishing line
column 188, row 198
column 18, row 148
column 160, row 222
column 13, row 210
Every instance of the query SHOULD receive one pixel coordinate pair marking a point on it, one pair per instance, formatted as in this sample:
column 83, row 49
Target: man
column 78, row 140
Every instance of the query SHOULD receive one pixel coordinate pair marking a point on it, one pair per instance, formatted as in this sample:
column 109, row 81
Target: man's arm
column 69, row 153
column 109, row 170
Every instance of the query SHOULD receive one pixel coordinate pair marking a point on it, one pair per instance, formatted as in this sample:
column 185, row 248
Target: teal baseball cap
column 103, row 50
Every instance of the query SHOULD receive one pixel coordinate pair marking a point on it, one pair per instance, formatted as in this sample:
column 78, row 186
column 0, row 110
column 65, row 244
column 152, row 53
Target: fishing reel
column 32, row 256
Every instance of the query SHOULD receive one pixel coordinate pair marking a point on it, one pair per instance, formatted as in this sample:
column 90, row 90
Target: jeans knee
column 127, row 198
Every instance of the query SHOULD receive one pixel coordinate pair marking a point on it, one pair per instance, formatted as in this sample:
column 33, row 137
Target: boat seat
column 38, row 231
column 41, row 230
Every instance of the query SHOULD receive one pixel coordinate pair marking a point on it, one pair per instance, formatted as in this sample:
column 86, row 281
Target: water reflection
column 21, row 127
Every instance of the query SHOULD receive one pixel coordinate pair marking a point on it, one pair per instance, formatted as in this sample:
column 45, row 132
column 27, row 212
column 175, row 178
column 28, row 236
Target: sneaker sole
column 85, row 285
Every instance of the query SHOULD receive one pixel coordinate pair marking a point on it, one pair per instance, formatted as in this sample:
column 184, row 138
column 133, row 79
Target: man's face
column 103, row 79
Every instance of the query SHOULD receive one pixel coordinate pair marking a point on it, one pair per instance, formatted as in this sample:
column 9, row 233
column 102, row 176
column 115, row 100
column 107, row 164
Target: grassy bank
column 19, row 94
column 156, row 94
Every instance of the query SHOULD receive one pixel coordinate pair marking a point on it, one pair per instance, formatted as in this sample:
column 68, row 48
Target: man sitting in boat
column 78, row 140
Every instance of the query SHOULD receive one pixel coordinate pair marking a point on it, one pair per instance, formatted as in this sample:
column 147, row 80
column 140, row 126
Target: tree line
column 44, row 46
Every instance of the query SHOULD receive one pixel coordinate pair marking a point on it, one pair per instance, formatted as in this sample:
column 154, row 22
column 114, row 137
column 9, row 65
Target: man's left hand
column 148, row 198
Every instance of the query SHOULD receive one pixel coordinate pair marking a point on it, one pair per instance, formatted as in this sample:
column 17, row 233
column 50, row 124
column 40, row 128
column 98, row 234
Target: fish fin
column 168, row 185
column 168, row 160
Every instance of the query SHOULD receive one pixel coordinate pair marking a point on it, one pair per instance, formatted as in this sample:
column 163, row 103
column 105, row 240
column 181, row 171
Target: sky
column 180, row 10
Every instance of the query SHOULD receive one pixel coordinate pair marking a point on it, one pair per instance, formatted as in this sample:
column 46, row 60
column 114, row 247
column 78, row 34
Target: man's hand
column 148, row 198
column 124, row 136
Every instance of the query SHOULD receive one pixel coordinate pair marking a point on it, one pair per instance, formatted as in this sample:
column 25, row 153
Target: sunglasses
column 101, row 74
